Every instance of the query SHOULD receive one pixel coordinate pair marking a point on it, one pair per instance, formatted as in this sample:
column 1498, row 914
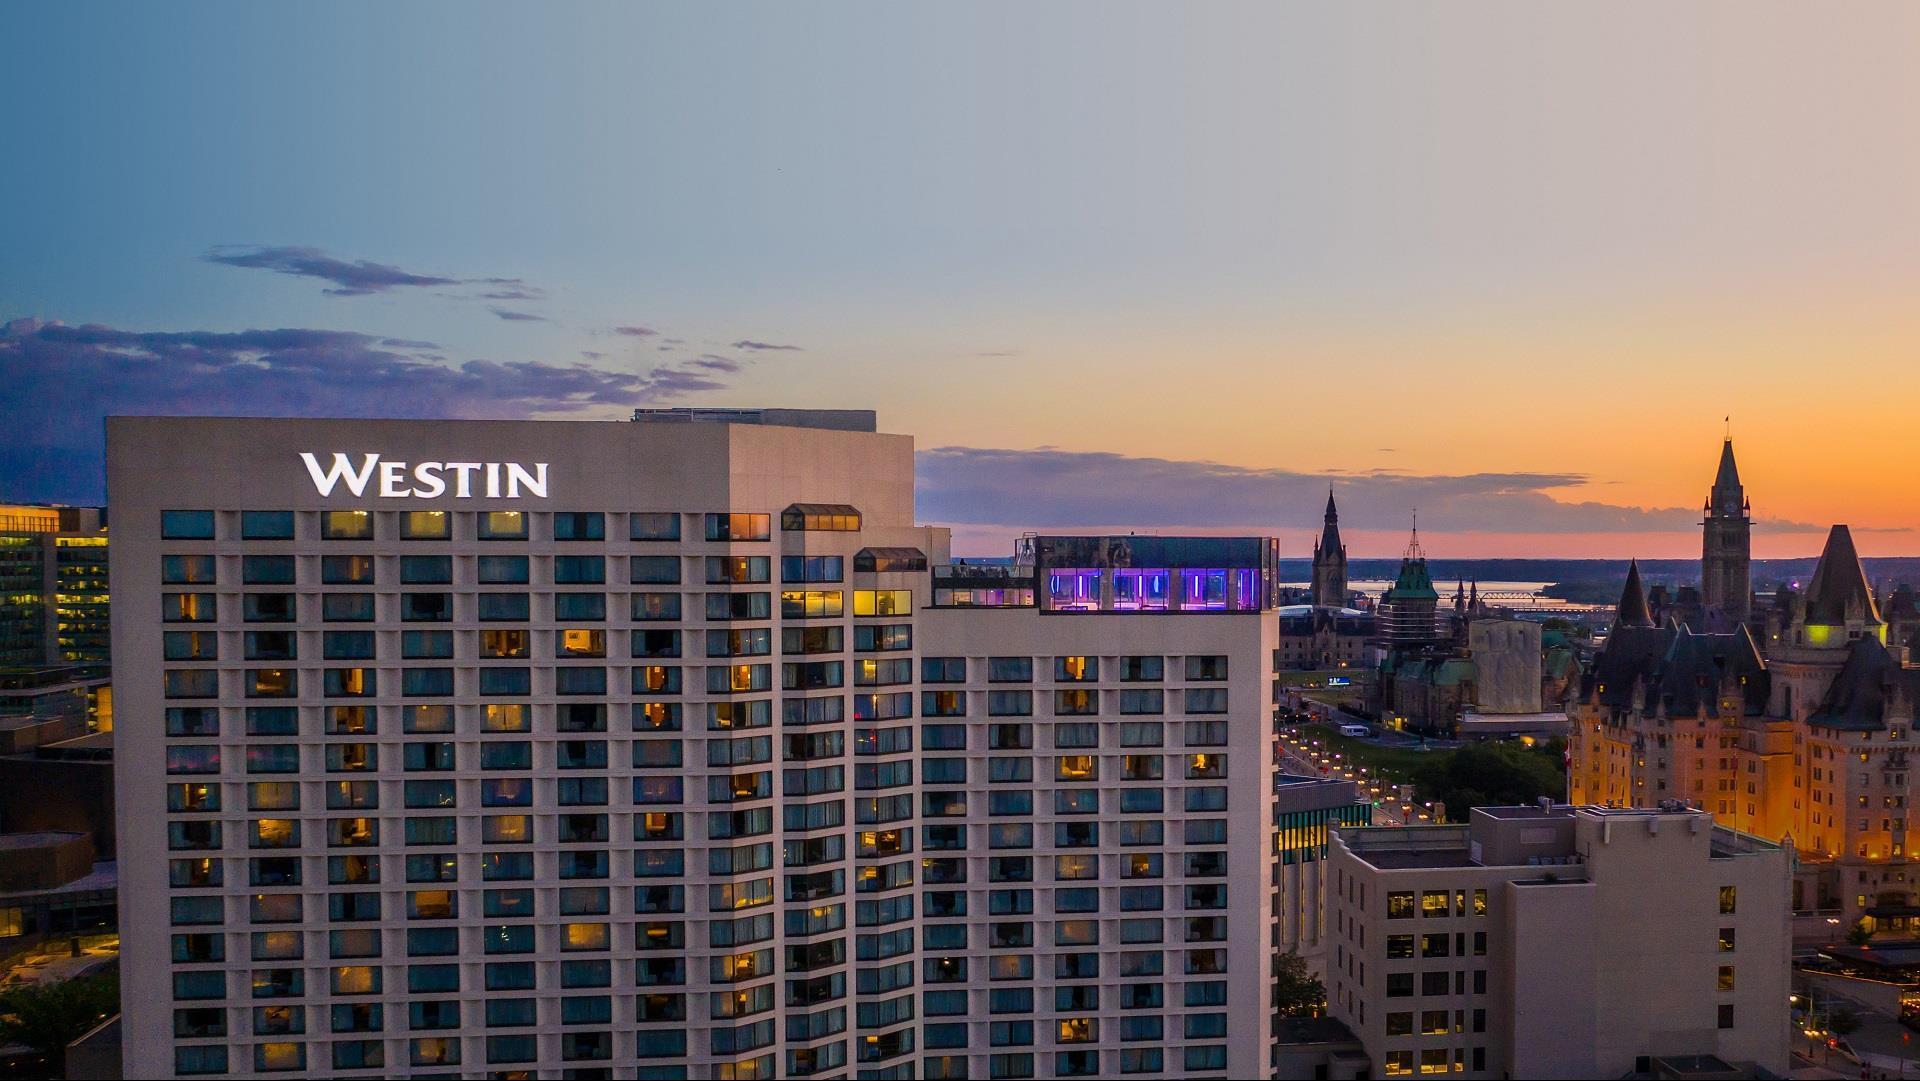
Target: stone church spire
column 1330, row 561
column 1726, row 545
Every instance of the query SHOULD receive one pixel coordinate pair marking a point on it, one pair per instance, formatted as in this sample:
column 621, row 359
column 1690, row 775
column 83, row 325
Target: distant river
column 1497, row 594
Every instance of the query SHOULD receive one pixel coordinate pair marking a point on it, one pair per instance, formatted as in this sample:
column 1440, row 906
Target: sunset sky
column 1114, row 267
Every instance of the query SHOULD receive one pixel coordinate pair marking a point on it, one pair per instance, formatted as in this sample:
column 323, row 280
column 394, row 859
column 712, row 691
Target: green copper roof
column 1413, row 583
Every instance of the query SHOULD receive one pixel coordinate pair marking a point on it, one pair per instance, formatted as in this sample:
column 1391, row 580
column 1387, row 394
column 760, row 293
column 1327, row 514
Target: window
column 1010, row 669
column 882, row 602
column 579, row 570
column 425, row 525
column 583, row 642
column 739, row 527
column 654, row 526
column 737, row 570
column 346, row 525
column 579, row 606
column 654, row 570
column 1728, row 899
column 346, row 570
column 1076, row 669
column 1400, row 905
column 1725, row 1015
column 504, row 607
column 811, row 569
column 187, row 608
column 943, row 669
column 1205, row 700
column 835, row 517
column 187, row 570
column 1010, row 703
column 649, row 607
column 1076, row 703
column 794, row 603
column 1206, row 668
column 266, row 524
column 582, row 526
column 502, row 570
column 502, row 525
column 186, row 524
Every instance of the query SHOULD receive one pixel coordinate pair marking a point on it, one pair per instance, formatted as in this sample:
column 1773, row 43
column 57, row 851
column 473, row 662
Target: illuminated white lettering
column 393, row 478
column 427, row 475
column 463, row 478
column 324, row 480
column 536, row 481
column 425, row 480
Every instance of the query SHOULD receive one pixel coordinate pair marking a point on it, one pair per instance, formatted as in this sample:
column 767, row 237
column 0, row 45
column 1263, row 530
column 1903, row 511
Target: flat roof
column 1413, row 859
column 842, row 420
column 42, row 839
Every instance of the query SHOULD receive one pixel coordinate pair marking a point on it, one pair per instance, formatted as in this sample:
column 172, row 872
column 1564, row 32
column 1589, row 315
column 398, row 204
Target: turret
column 1632, row 610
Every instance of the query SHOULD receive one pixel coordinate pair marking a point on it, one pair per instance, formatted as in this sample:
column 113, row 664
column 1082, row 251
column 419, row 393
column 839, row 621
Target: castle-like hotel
column 1788, row 715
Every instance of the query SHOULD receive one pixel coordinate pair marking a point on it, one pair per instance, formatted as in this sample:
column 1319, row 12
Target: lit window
column 882, row 602
column 582, row 642
column 425, row 525
column 346, row 525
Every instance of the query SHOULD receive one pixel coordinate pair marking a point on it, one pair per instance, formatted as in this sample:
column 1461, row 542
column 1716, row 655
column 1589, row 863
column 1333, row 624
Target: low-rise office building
column 53, row 585
column 1560, row 942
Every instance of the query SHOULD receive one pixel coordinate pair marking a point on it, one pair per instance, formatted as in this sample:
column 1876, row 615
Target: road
column 1294, row 759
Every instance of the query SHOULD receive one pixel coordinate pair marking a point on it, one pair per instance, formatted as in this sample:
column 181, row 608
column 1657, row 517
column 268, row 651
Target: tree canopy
column 48, row 1016
column 1296, row 992
column 1491, row 775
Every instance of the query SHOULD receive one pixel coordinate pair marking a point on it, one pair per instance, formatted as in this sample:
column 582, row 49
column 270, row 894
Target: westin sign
column 427, row 480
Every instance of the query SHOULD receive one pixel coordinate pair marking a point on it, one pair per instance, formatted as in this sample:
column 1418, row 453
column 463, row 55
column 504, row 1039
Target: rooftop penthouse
column 1556, row 836
column 1127, row 574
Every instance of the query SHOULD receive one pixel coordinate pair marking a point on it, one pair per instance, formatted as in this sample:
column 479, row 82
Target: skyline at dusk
column 1167, row 272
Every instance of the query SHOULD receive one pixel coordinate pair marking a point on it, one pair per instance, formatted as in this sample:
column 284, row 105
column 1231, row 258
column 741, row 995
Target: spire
column 1837, row 593
column 1330, row 531
column 1633, row 611
column 1729, row 474
column 1727, row 498
column 1330, row 561
column 1414, row 551
column 1460, row 595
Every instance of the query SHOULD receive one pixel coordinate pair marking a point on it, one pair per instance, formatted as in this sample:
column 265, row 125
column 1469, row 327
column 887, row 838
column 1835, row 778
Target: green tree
column 48, row 1016
column 1858, row 935
column 1296, row 992
column 1842, row 1019
column 1490, row 775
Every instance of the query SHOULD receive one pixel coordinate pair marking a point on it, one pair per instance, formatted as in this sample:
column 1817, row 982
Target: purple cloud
column 636, row 331
column 1048, row 488
column 509, row 289
column 748, row 343
column 350, row 279
column 517, row 317
column 57, row 382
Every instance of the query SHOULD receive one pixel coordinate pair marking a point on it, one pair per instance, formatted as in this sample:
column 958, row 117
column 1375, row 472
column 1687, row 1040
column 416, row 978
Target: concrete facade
column 1560, row 942
column 667, row 767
